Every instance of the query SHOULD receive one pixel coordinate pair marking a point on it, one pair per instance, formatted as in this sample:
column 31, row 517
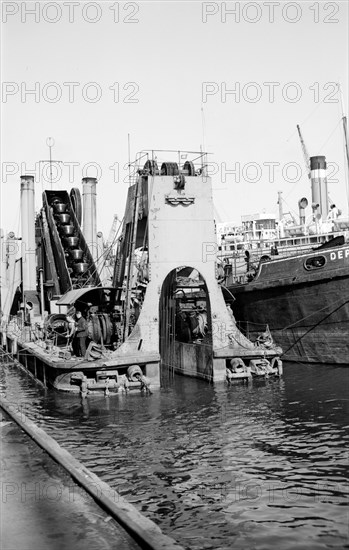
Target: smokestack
column 302, row 204
column 319, row 184
column 89, row 214
column 28, row 233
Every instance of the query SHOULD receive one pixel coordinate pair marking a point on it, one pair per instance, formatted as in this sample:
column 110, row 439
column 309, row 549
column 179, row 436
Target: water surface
column 246, row 466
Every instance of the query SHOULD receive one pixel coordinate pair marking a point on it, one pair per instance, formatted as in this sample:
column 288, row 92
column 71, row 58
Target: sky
column 88, row 74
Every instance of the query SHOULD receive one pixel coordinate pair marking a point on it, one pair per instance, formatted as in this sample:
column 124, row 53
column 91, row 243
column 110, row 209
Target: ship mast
column 345, row 129
column 50, row 143
column 344, row 120
column 281, row 210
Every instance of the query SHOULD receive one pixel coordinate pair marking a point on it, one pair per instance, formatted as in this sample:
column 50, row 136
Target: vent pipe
column 302, row 204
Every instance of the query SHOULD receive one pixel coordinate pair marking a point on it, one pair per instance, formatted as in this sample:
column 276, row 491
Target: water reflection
column 216, row 467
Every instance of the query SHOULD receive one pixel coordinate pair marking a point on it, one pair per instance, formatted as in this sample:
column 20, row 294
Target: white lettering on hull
column 339, row 254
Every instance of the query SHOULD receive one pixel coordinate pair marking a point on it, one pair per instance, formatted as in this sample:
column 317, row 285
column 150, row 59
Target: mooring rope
column 252, row 324
column 314, row 326
column 311, row 314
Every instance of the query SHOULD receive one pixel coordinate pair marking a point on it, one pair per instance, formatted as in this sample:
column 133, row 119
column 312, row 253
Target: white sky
column 168, row 54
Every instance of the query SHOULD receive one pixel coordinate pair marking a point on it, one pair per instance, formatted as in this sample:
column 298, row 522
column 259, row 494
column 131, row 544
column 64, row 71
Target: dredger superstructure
column 164, row 308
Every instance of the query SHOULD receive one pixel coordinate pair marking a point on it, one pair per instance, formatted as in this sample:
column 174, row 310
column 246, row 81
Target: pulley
column 169, row 169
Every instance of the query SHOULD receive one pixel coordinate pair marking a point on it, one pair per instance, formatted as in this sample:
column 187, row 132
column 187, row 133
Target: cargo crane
column 305, row 152
column 112, row 232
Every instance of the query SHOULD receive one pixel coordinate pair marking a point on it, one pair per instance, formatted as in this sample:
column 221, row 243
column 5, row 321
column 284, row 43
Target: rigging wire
column 330, row 136
column 103, row 255
column 305, row 120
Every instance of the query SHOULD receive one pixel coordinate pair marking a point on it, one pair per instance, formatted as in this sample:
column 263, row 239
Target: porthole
column 315, row 262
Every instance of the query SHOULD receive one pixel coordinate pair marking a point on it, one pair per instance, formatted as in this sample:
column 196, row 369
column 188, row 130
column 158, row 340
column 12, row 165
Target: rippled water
column 246, row 467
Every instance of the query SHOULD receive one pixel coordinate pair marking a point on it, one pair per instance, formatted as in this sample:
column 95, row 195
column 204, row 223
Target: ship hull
column 307, row 311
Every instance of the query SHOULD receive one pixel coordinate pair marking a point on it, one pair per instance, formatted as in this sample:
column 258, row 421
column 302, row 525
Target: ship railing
column 188, row 162
column 242, row 243
column 341, row 224
column 286, row 247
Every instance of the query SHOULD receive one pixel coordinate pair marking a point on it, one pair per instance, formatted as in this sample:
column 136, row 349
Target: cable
column 331, row 134
column 314, row 326
column 103, row 255
column 307, row 316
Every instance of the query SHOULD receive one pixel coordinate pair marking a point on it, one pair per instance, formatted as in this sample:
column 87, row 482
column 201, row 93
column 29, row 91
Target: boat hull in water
column 305, row 302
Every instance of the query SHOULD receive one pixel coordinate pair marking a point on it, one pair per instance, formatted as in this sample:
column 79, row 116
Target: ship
column 163, row 306
column 303, row 300
column 291, row 277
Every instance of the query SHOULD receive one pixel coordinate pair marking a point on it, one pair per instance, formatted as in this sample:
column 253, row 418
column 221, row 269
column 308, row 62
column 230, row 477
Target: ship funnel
column 302, row 204
column 319, row 184
column 28, row 233
column 89, row 214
